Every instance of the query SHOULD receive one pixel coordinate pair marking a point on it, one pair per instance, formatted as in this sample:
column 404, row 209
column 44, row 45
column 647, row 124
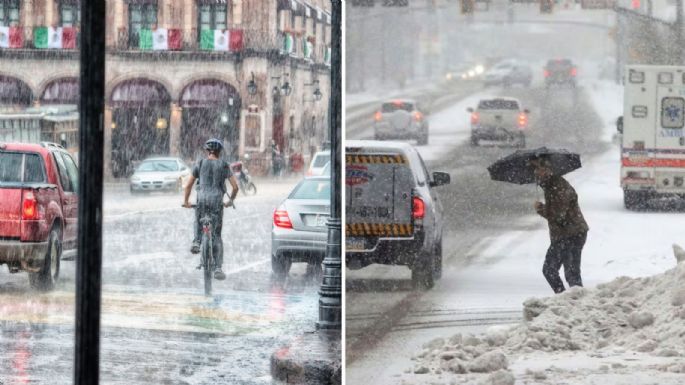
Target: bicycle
column 207, row 260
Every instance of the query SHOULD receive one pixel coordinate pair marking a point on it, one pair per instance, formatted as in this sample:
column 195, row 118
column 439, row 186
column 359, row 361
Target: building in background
column 179, row 72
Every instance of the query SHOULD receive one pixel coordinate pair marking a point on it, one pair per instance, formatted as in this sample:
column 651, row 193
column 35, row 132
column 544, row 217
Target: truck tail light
column 418, row 210
column 545, row 73
column 29, row 210
column 523, row 120
column 281, row 219
column 574, row 71
column 378, row 116
column 475, row 118
column 418, row 116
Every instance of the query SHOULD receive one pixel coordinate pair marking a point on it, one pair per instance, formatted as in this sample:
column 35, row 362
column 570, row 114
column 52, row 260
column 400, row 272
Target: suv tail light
column 545, row 73
column 418, row 116
column 29, row 209
column 523, row 120
column 378, row 116
column 574, row 71
column 475, row 118
column 281, row 219
column 418, row 210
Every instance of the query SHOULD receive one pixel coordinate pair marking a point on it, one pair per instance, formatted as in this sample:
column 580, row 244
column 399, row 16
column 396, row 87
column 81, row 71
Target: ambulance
column 653, row 141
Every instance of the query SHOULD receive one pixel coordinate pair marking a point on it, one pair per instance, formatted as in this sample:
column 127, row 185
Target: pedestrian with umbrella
column 567, row 227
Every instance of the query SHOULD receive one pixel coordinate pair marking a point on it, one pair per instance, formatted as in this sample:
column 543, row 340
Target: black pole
column 330, row 311
column 91, row 147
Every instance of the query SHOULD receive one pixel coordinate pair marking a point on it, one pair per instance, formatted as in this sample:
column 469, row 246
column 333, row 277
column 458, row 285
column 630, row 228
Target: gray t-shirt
column 212, row 175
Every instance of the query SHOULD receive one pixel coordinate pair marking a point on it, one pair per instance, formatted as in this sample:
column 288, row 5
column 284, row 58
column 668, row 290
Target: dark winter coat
column 561, row 209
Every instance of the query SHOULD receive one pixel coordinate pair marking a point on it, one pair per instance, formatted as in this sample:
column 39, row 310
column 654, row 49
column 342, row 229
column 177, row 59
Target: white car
column 507, row 73
column 318, row 163
column 160, row 174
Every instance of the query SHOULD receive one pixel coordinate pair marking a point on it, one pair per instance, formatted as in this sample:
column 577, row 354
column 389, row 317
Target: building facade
column 180, row 71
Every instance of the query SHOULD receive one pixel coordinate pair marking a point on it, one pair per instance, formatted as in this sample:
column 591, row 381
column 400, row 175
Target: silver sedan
column 160, row 174
column 299, row 232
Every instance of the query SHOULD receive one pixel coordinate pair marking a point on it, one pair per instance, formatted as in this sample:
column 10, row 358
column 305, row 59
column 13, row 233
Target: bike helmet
column 213, row 145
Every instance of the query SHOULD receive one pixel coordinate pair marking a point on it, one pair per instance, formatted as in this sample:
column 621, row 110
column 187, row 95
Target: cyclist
column 212, row 173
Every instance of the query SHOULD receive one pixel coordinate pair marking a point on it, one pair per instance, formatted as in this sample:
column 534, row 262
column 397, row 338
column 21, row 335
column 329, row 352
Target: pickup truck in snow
column 393, row 210
column 500, row 120
column 38, row 209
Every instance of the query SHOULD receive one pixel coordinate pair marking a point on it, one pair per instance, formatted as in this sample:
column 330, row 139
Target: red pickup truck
column 38, row 209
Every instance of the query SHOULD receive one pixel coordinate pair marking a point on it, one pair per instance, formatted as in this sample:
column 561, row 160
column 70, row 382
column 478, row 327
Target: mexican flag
column 288, row 43
column 56, row 38
column 221, row 40
column 160, row 39
column 214, row 40
column 10, row 37
column 307, row 48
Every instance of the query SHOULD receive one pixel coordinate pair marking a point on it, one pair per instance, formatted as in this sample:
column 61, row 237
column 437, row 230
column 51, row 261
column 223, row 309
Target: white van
column 393, row 215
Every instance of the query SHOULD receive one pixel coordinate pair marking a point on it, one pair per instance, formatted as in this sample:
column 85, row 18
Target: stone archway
column 61, row 91
column 140, row 123
column 15, row 92
column 210, row 108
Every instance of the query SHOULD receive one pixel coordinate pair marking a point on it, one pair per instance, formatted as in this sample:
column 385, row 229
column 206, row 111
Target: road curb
column 313, row 358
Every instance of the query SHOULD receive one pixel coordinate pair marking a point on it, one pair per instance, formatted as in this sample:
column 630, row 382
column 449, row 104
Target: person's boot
column 219, row 275
column 195, row 248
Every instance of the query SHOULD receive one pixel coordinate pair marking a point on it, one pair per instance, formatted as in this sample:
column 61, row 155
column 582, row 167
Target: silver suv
column 401, row 119
column 393, row 212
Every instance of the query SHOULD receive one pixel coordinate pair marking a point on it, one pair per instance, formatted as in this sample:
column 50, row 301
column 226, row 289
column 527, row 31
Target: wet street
column 157, row 326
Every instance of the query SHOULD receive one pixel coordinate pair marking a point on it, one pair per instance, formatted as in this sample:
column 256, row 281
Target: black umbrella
column 517, row 167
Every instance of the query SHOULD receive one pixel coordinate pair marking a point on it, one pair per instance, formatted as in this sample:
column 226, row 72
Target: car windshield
column 321, row 160
column 397, row 106
column 498, row 104
column 312, row 189
column 158, row 165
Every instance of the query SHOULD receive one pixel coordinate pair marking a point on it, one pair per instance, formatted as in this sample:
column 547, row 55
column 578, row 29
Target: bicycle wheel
column 207, row 265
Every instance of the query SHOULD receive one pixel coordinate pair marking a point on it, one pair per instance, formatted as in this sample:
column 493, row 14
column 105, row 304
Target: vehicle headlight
column 135, row 179
column 480, row 69
column 472, row 73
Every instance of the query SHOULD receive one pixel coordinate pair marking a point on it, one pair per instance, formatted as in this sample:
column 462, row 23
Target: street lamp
column 317, row 91
column 284, row 89
column 252, row 86
column 330, row 293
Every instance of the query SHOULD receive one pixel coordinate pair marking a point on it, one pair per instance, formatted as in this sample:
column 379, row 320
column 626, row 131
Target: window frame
column 76, row 8
column 214, row 11
column 145, row 22
column 7, row 7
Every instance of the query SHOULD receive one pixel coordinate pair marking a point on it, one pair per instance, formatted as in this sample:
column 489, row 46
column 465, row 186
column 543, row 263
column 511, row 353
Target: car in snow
column 464, row 71
column 318, row 163
column 401, row 119
column 299, row 232
column 507, row 73
column 38, row 209
column 160, row 174
column 393, row 212
column 499, row 119
column 560, row 72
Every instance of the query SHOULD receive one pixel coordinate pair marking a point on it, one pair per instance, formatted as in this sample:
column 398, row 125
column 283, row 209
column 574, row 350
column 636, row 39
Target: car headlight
column 135, row 179
column 480, row 69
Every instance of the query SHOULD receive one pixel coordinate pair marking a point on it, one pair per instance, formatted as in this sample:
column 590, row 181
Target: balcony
column 39, row 42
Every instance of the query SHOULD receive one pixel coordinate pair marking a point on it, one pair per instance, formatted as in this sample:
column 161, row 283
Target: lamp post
column 330, row 314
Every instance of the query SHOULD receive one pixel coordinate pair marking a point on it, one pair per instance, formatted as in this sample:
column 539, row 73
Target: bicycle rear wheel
column 207, row 265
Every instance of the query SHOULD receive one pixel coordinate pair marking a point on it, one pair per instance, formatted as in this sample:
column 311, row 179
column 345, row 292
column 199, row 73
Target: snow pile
column 627, row 314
